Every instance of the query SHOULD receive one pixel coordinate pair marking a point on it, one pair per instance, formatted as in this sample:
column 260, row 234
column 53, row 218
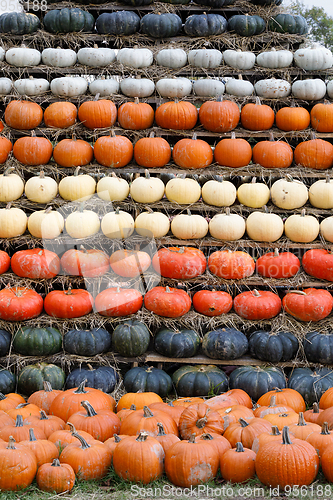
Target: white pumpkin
column 13, row 222
column 321, row 193
column 118, row 224
column 135, row 57
column 147, row 189
column 239, row 59
column 227, row 227
column 183, row 190
column 172, row 58
column 41, row 189
column 2, row 54
column 289, row 193
column 272, row 88
column 68, row 86
column 189, row 226
column 95, row 56
column 264, row 226
column 11, row 185
column 137, row 87
column 104, row 86
column 22, row 56
column 82, row 223
column 239, row 87
column 152, row 224
column 253, row 194
column 174, row 87
column 329, row 89
column 205, row 58
column 208, row 87
column 326, row 229
column 46, row 224
column 60, row 58
column 112, row 188
column 77, row 187
column 314, row 58
column 31, row 86
column 219, row 193
column 301, row 228
column 311, row 89
column 274, row 59
column 5, row 86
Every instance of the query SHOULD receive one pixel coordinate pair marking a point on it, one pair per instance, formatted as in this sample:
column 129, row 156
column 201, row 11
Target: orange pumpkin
column 44, row 450
column 288, row 397
column 33, row 150
column 101, row 424
column 138, row 399
column 60, row 115
column 313, row 415
column 219, row 116
column 281, row 419
column 47, row 423
column 192, row 153
column 100, row 113
column 199, row 419
column 64, row 437
column 246, row 430
column 292, row 118
column 114, row 151
column 19, row 431
column 176, row 115
column 316, row 154
column 129, row 263
column 18, row 466
column 233, row 152
column 322, row 117
column 55, row 477
column 152, row 152
column 257, row 116
column 5, row 148
column 135, row 115
column 238, row 464
column 266, row 437
column 23, row 115
column 232, row 265
column 166, row 440
column 302, row 429
column 147, row 421
column 73, row 153
column 44, row 397
column 321, row 439
column 273, row 154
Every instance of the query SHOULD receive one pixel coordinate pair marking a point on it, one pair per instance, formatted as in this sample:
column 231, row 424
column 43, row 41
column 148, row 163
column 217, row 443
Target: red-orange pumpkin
column 71, row 303
column 100, row 113
column 35, row 264
column 176, row 115
column 167, row 302
column 32, row 150
column 212, row 302
column 219, row 116
column 60, row 115
column 129, row 263
column 322, row 117
column 20, row 304
column 232, row 265
column 5, row 148
column 118, row 301
column 257, row 304
column 23, row 115
column 310, row 304
column 88, row 263
column 114, row 151
column 135, row 115
column 179, row 262
column 192, row 153
column 278, row 265
column 73, row 153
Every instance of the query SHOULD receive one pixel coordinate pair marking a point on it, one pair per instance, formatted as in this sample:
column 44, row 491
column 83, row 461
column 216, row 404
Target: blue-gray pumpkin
column 311, row 384
column 205, row 25
column 104, row 378
column 225, row 343
column 68, row 20
column 318, row 347
column 130, row 338
column 148, row 379
column 87, row 342
column 177, row 343
column 5, row 340
column 199, row 380
column 273, row 346
column 7, row 381
column 256, row 380
column 161, row 25
column 119, row 23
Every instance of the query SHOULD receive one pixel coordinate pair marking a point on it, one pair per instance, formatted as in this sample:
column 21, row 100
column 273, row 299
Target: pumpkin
column 239, row 87
column 68, row 21
column 278, row 265
column 23, row 464
column 246, row 430
column 23, row 115
column 72, row 153
column 272, row 88
column 208, row 87
column 161, row 25
column 112, row 188
column 320, row 439
column 87, row 342
column 35, row 264
column 20, row 304
column 326, row 228
column 302, row 429
column 146, row 420
column 41, row 189
column 151, row 152
column 71, row 303
column 166, row 440
column 321, row 117
column 22, row 411
column 5, row 148
column 5, row 341
column 100, row 113
column 104, row 378
column 46, row 224
column 199, row 380
column 313, row 415
column 32, row 377
column 284, row 396
column 11, row 185
column 135, row 57
column 272, row 408
column 212, row 302
column 192, row 153
column 138, row 399
column 264, row 226
column 238, row 465
column 288, row 23
column 204, row 25
column 273, row 154
column 317, row 347
column 233, row 152
column 130, row 338
column 257, row 304
column 179, row 262
column 44, row 450
column 245, row 25
column 175, row 343
column 37, row 341
column 199, row 419
column 189, row 226
column 32, row 150
column 77, row 187
column 145, row 471
column 101, row 424
column 281, row 419
column 256, row 380
column 316, row 154
column 96, row 56
column 224, row 343
column 273, row 346
column 129, row 263
column 44, row 398
column 167, row 302
column 253, row 194
column 82, row 223
column 269, row 461
column 204, row 58
column 60, row 58
column 7, row 381
column 135, row 115
column 292, row 118
column 266, row 437
column 316, row 263
column 257, row 116
column 171, row 58
column 229, row 264
column 315, row 57
column 55, row 477
column 22, row 56
column 183, row 190
column 218, row 192
column 19, row 23
column 219, row 116
column 69, row 86
column 147, row 189
column 152, row 224
column 274, row 59
column 227, row 226
column 185, row 402
column 115, row 302
column 289, row 193
column 232, row 413
column 118, row 224
column 133, row 87
column 176, row 115
column 321, row 193
column 239, row 59
column 88, row 263
column 311, row 304
column 63, row 438
column 311, row 384
column 122, row 22
column 60, row 115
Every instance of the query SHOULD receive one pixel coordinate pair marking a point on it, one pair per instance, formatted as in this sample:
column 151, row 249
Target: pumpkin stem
column 272, row 401
column 303, row 212
column 11, row 443
column 147, row 174
column 97, row 96
column 48, row 210
column 239, row 447
column 43, row 415
column 47, row 386
column 84, row 444
column 233, row 135
column 41, row 174
column 285, row 436
column 301, row 420
column 136, row 100
column 147, row 413
column 32, row 436
column 258, row 102
column 152, row 135
column 206, row 437
column 275, row 431
column 76, row 172
column 2, row 396
column 142, row 436
column 55, row 463
column 243, row 422
column 277, row 389
column 201, row 422
column 315, row 408
column 8, row 205
column 167, row 289
column 328, row 180
column 194, row 137
column 81, row 387
column 188, row 211
column 299, row 292
column 256, row 293
column 8, row 170
column 276, row 252
column 19, row 421
column 117, row 439
column 312, row 135
column 227, row 211
column 71, row 427
column 271, row 137
column 89, row 408
column 192, row 438
column 325, row 429
column 161, row 431
column 133, row 407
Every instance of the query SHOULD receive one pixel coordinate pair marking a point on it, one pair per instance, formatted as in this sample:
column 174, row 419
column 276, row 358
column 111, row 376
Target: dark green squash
column 130, row 338
column 245, row 25
column 5, row 340
column 318, row 347
column 19, row 23
column 104, row 378
column 265, row 3
column 177, row 343
column 7, row 381
column 32, row 378
column 288, row 23
column 256, row 380
column 68, row 21
column 121, row 22
column 273, row 346
column 148, row 379
column 137, row 3
column 37, row 341
column 177, row 2
column 311, row 384
column 161, row 25
column 199, row 380
column 205, row 25
column 224, row 343
column 87, row 342
column 215, row 4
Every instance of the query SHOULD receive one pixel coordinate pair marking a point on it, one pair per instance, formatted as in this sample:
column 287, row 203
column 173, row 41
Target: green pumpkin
column 19, row 23
column 256, row 380
column 311, row 384
column 7, row 381
column 68, row 21
column 199, row 380
column 318, row 347
column 161, row 25
column 215, row 4
column 205, row 25
column 37, row 341
column 87, row 342
column 131, row 338
column 273, row 347
column 121, row 22
column 288, row 23
column 32, row 377
column 148, row 379
column 224, row 343
column 245, row 25
column 5, row 341
column 177, row 343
